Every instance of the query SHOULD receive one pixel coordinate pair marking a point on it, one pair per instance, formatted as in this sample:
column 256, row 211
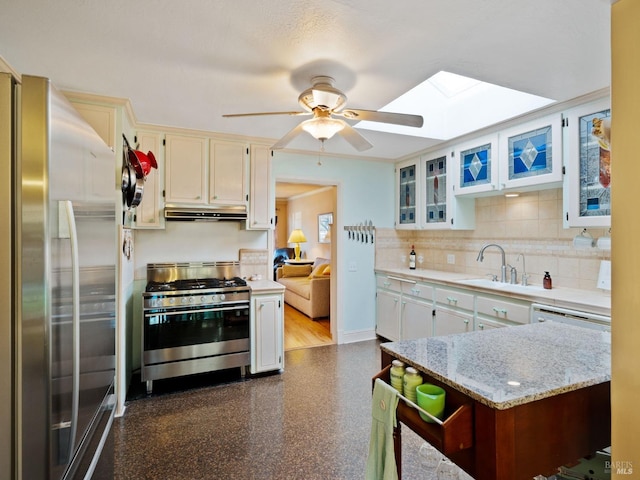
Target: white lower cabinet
column 404, row 308
column 484, row 324
column 416, row 320
column 409, row 309
column 447, row 321
column 388, row 315
column 492, row 308
column 453, row 311
column 267, row 332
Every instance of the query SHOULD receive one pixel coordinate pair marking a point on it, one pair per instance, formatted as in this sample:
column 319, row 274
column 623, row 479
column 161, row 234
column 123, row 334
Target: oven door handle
column 182, row 312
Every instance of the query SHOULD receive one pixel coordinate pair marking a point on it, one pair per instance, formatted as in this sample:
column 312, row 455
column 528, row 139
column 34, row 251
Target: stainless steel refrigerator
column 61, row 232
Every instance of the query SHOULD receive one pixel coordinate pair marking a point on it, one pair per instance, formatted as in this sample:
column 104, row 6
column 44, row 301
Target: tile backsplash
column 530, row 224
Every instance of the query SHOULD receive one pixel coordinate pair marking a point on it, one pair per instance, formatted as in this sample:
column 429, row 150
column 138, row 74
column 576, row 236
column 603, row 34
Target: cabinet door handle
column 415, row 291
column 480, row 326
column 466, row 321
column 500, row 310
column 262, row 305
column 452, row 300
column 387, row 284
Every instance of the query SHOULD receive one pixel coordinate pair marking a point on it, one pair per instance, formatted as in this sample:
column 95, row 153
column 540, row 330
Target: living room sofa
column 307, row 287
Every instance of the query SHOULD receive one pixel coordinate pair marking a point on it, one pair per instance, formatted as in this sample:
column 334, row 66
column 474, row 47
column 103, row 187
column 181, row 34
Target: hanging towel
column 381, row 464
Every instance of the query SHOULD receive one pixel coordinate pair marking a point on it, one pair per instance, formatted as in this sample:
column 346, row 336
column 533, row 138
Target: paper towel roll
column 582, row 241
column 604, row 243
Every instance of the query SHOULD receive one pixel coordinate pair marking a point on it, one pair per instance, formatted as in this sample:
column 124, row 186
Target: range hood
column 205, row 214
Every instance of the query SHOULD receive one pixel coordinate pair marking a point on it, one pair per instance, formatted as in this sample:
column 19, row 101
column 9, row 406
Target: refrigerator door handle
column 75, row 281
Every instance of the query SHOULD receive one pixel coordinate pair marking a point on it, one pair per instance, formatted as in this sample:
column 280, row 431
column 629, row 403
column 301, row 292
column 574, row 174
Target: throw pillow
column 318, row 271
column 296, row 270
column 320, row 261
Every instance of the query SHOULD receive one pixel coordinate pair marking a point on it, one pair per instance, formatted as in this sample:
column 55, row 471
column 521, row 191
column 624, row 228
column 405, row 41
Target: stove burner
column 195, row 284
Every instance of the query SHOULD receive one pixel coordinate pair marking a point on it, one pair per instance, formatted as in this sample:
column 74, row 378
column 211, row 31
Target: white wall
column 364, row 192
column 309, row 206
column 193, row 242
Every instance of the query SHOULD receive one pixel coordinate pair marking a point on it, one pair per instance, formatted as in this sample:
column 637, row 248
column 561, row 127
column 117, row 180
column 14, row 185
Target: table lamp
column 297, row 237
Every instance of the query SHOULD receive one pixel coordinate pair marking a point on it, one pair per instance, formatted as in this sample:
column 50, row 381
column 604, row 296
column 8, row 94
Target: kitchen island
column 521, row 401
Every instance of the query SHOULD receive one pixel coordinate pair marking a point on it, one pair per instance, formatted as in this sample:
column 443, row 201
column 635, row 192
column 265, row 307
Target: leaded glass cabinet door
column 588, row 179
column 477, row 166
column 435, row 199
column 440, row 209
column 407, row 194
column 531, row 153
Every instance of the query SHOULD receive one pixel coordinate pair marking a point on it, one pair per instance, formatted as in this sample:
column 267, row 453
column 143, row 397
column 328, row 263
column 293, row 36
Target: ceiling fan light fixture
column 322, row 128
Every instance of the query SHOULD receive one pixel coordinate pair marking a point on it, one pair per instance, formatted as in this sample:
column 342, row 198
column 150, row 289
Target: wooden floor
column 302, row 332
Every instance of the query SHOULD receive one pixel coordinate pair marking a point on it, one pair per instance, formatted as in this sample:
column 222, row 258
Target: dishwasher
column 544, row 313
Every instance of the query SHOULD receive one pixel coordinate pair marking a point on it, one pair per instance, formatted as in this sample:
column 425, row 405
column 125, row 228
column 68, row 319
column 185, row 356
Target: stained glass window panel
column 436, row 190
column 530, row 153
column 595, row 164
column 475, row 166
column 407, row 191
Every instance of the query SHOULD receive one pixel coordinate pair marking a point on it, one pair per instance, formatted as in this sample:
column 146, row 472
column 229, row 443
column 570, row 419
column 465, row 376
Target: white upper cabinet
column 588, row 165
column 186, row 169
column 200, row 171
column 525, row 156
column 227, row 173
column 261, row 205
column 407, row 174
column 530, row 154
column 149, row 212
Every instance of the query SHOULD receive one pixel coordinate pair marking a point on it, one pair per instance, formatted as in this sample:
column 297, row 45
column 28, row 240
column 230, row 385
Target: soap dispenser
column 546, row 281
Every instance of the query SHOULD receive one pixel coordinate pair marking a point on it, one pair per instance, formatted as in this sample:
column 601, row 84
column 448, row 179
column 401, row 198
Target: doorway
column 304, row 206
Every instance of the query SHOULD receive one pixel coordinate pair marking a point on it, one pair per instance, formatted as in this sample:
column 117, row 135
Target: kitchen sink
column 504, row 287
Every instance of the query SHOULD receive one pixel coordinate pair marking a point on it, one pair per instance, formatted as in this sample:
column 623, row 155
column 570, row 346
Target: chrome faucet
column 503, row 269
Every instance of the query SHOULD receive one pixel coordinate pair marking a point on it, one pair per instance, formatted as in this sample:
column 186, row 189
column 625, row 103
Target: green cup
column 431, row 399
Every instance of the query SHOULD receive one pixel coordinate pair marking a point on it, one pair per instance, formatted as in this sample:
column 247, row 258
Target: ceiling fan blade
column 264, row 113
column 405, row 119
column 352, row 136
column 284, row 141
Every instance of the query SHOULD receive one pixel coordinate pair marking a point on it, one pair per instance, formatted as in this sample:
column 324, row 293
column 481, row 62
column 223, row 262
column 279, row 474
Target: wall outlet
column 451, row 259
column 352, row 267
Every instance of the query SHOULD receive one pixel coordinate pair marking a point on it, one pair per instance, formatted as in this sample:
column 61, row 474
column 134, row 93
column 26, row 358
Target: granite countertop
column 505, row 367
column 593, row 301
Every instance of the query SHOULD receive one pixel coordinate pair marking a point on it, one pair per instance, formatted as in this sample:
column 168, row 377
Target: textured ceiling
column 184, row 64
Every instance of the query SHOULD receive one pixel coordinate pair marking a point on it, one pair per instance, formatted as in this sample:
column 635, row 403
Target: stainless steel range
column 196, row 319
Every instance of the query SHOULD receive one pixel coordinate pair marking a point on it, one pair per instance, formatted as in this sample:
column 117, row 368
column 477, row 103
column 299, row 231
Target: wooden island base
column 520, row 442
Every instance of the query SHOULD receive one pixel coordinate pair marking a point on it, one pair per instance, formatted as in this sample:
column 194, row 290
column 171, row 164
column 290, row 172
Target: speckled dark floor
column 311, row 422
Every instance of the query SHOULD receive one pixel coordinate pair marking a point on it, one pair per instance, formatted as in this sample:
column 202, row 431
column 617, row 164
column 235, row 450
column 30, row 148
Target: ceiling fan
column 324, row 101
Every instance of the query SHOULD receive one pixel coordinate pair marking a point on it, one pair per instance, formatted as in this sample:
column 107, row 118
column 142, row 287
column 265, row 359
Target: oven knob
column 191, row 299
column 184, row 300
column 203, row 299
column 221, row 296
column 214, row 298
column 172, row 301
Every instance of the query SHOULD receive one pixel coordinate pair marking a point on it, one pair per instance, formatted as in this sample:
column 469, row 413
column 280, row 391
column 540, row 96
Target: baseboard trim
column 354, row 336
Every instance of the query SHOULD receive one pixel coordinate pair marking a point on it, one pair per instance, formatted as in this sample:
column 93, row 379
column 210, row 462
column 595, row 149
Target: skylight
column 453, row 105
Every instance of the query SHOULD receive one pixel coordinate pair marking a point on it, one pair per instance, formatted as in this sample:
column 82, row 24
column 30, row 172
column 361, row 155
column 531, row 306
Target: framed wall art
column 325, row 220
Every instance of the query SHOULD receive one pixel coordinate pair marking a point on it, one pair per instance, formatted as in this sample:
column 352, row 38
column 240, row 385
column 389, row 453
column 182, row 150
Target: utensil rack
column 363, row 232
